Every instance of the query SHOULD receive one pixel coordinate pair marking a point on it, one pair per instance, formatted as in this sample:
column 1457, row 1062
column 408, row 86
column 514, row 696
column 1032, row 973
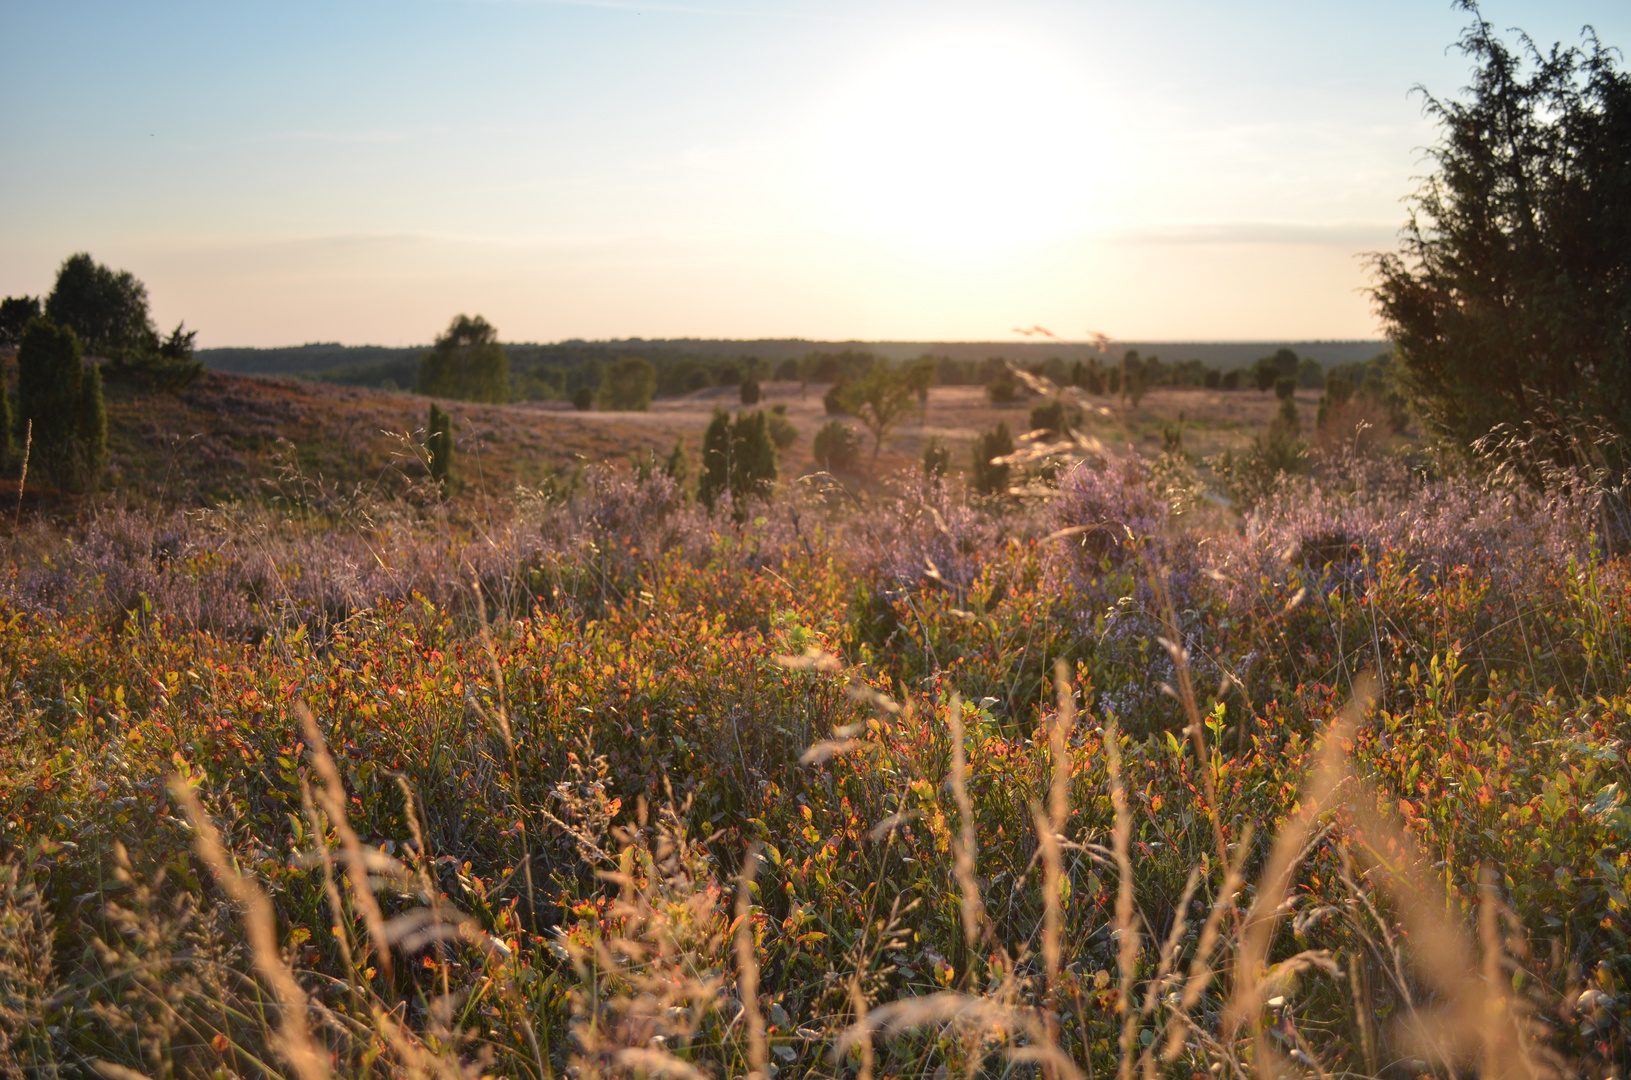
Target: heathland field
column 1129, row 765
column 227, row 436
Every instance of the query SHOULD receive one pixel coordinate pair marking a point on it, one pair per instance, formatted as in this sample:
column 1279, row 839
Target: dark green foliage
column 919, row 376
column 749, row 391
column 837, row 449
column 1002, row 390
column 787, row 371
column 5, row 423
column 880, row 399
column 584, row 399
column 49, row 370
column 106, row 310
column 716, row 459
column 684, row 377
column 783, row 432
column 739, row 457
column 179, row 345
column 15, row 314
column 63, row 404
column 936, row 460
column 1213, row 379
column 1230, row 380
column 467, row 363
column 1264, row 375
column 833, row 400
column 730, row 374
column 1056, row 416
column 838, row 367
column 1256, row 473
column 91, row 430
column 439, row 446
column 1284, row 388
column 1138, row 376
column 628, row 385
column 677, row 466
column 1310, row 374
column 988, row 477
column 1510, row 302
column 1373, row 379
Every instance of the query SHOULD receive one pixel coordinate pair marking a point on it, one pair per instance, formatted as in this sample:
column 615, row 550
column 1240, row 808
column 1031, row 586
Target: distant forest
column 558, row 371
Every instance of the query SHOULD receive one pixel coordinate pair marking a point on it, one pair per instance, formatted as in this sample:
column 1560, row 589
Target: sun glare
column 970, row 145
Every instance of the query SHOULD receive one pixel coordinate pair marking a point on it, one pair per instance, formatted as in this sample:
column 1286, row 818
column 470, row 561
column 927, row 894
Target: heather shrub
column 595, row 782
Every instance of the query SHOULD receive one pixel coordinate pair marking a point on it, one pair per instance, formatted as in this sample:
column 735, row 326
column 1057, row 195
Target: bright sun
column 961, row 145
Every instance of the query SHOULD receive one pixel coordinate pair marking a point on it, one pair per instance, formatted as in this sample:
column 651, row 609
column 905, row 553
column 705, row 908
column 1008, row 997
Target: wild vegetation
column 1309, row 759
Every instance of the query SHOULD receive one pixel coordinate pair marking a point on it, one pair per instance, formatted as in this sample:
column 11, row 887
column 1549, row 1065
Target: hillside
column 229, row 435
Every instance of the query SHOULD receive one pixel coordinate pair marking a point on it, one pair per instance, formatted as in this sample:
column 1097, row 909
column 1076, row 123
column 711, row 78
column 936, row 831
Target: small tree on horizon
column 467, row 363
column 628, row 385
column 106, row 309
column 880, row 399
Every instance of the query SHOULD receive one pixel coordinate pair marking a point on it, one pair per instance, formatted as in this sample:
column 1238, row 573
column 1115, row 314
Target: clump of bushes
column 837, row 448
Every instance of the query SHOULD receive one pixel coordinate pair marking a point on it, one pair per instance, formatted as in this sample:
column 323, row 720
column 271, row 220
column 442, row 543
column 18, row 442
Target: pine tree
column 439, row 445
column 716, row 459
column 91, row 430
column 677, row 466
column 989, row 478
column 5, row 423
column 49, row 372
column 754, row 452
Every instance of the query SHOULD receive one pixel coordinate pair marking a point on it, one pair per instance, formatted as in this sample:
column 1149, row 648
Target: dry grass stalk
column 1478, row 1021
column 508, row 735
column 1246, row 1002
column 965, row 849
column 332, row 798
column 27, row 980
column 1126, row 931
column 293, row 1038
column 747, row 968
column 1050, row 828
column 1195, row 726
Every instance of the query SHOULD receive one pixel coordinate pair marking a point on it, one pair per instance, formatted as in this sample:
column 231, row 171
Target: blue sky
column 291, row 172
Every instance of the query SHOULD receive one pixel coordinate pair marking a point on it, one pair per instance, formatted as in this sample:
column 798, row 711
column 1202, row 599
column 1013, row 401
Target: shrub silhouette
column 837, row 448
column 439, row 446
column 738, row 458
column 986, row 476
column 62, row 400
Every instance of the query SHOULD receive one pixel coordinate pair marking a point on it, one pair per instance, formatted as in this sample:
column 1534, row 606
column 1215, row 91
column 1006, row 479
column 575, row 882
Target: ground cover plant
column 622, row 787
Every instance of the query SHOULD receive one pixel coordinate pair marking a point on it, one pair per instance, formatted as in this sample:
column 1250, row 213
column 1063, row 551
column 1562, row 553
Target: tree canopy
column 466, row 363
column 106, row 309
column 628, row 385
column 1510, row 300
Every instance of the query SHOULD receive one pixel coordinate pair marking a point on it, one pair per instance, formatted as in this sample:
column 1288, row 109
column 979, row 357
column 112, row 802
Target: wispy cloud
column 1365, row 234
column 337, row 137
column 665, row 8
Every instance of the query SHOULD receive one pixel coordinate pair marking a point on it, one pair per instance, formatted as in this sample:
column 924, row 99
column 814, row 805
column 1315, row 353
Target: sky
column 281, row 173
